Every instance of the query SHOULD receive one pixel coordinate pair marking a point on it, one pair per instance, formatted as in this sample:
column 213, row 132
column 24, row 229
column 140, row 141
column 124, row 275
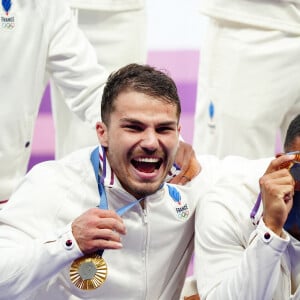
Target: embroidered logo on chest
column 181, row 207
column 7, row 19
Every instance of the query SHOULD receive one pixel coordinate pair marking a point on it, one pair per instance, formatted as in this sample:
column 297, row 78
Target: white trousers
column 248, row 88
column 119, row 38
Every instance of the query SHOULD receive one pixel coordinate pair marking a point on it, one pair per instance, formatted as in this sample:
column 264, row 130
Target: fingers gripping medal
column 294, row 168
column 292, row 224
column 90, row 271
column 294, row 215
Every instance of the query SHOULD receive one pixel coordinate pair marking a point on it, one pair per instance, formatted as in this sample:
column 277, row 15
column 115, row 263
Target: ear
column 179, row 128
column 102, row 134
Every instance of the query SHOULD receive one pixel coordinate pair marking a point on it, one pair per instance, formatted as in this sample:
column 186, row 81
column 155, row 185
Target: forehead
column 132, row 104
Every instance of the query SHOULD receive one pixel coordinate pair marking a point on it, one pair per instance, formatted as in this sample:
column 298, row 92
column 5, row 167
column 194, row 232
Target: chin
column 146, row 190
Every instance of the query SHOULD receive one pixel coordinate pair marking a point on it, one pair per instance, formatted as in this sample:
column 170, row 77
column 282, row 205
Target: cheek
column 103, row 141
column 118, row 149
column 120, row 143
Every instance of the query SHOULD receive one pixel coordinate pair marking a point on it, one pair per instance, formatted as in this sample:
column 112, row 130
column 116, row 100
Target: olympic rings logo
column 183, row 215
column 8, row 25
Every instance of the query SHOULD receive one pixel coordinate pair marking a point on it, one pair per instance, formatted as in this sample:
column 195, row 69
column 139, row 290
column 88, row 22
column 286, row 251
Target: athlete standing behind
column 248, row 85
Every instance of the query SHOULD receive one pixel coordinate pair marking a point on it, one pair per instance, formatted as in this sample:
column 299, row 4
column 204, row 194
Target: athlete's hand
column 98, row 229
column 277, row 190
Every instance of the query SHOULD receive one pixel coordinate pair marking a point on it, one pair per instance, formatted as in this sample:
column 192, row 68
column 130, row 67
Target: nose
column 149, row 140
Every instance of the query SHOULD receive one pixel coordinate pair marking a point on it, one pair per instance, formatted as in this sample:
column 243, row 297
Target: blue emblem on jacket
column 211, row 110
column 181, row 207
column 6, row 4
column 211, row 113
column 174, row 193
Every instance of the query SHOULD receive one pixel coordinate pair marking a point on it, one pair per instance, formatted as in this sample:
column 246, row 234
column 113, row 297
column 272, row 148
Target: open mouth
column 147, row 164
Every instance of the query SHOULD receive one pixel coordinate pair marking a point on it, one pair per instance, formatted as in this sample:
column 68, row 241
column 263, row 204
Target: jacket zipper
column 145, row 222
column 145, row 217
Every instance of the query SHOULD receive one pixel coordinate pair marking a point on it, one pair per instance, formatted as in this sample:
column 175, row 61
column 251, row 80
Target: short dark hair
column 140, row 78
column 292, row 132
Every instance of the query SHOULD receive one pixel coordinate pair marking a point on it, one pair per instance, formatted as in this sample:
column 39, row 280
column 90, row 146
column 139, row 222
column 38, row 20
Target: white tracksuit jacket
column 109, row 5
column 156, row 249
column 280, row 15
column 44, row 40
column 235, row 259
column 250, row 48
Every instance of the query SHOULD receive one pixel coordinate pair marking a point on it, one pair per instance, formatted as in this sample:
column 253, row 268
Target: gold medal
column 88, row 272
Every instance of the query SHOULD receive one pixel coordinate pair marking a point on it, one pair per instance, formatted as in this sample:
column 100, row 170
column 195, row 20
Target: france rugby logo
column 181, row 208
column 7, row 20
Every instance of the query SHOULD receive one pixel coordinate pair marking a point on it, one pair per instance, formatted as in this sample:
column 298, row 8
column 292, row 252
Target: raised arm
column 72, row 62
column 234, row 258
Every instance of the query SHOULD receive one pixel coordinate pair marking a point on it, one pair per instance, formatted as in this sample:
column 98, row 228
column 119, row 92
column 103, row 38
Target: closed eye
column 165, row 129
column 133, row 127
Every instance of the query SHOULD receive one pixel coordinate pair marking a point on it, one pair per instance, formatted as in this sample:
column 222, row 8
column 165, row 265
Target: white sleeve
column 72, row 62
column 34, row 244
column 26, row 262
column 228, row 263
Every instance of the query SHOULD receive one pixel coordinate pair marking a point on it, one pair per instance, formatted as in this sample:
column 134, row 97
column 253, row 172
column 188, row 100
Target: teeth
column 148, row 160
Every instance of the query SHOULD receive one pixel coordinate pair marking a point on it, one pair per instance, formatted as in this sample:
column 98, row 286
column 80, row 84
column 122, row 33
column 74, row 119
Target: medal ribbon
column 103, row 199
column 95, row 159
column 256, row 211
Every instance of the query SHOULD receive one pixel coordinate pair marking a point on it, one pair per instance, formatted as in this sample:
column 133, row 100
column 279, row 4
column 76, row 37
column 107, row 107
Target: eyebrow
column 135, row 121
